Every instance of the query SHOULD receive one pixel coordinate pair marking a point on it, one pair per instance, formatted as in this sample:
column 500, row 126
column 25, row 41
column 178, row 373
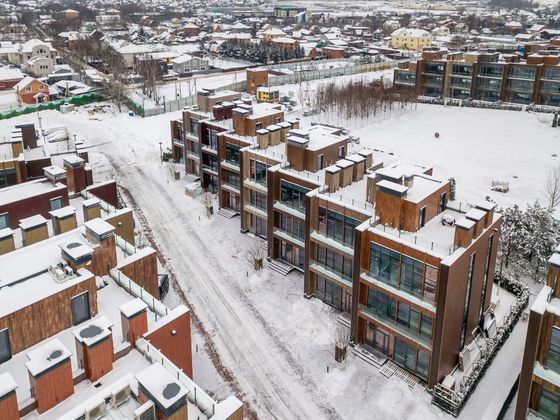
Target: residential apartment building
column 410, row 39
column 483, row 76
column 539, row 381
column 379, row 243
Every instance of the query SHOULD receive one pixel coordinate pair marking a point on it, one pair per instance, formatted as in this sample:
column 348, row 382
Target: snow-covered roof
column 162, row 385
column 412, row 33
column 7, row 384
column 32, row 222
column 46, row 356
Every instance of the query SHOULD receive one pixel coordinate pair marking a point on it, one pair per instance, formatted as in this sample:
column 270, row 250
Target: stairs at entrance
column 280, row 267
column 227, row 213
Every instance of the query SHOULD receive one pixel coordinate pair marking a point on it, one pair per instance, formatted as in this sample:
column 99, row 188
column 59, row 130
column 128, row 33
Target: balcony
column 232, row 166
column 323, row 270
column 289, row 236
column 230, row 187
column 421, row 301
column 206, row 148
column 296, row 212
column 178, row 142
column 396, row 327
column 257, row 211
column 213, row 169
column 192, row 137
column 332, row 243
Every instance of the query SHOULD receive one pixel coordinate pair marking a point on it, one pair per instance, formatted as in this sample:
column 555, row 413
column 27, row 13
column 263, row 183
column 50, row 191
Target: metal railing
column 196, row 395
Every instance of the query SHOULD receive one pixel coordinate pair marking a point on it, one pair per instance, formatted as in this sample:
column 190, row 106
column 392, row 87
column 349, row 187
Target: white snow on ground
column 277, row 344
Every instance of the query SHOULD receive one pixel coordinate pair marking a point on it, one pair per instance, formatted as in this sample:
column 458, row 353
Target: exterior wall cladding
column 539, row 382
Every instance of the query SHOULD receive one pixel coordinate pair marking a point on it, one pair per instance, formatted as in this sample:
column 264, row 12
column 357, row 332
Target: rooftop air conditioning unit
column 145, row 412
column 120, row 396
column 96, row 411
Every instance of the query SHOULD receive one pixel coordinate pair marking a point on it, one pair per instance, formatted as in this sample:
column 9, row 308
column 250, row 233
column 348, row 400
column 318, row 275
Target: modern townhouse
column 483, row 76
column 423, row 275
column 539, row 381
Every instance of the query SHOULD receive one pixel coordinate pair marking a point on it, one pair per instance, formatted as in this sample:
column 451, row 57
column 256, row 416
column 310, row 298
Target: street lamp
column 160, row 154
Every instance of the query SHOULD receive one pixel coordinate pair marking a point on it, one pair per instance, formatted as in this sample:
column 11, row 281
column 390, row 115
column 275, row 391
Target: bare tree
column 208, row 201
column 256, row 254
column 148, row 68
column 114, row 86
column 341, row 340
column 553, row 187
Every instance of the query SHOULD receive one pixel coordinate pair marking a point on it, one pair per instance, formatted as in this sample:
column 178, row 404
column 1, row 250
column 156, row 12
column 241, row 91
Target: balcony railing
column 395, row 326
column 423, row 301
column 211, row 168
column 284, row 233
column 337, row 274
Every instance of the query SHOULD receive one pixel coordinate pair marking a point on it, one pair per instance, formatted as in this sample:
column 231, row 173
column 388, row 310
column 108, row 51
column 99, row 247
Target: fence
column 196, row 395
column 135, row 290
column 452, row 401
column 297, row 77
column 76, row 100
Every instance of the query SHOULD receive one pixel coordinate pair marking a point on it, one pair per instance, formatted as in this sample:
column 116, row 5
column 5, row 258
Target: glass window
column 193, row 126
column 5, row 352
column 384, row 264
column 4, row 221
column 258, row 200
column 423, row 363
column 258, row 171
column 80, row 308
column 293, row 195
column 56, row 203
column 467, row 299
column 430, row 283
column 548, row 404
column 553, row 356
column 412, row 274
column 426, row 326
column 381, row 304
column 485, row 280
column 232, row 153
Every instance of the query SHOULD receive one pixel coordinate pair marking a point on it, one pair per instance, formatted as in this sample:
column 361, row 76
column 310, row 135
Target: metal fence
column 296, row 77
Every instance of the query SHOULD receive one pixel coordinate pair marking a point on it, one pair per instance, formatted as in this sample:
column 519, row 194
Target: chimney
column 55, row 174
column 134, row 320
column 76, row 254
column 34, row 229
column 94, row 348
column 7, row 243
column 332, row 178
column 275, row 135
column 359, row 168
column 295, row 123
column 157, row 384
column 8, row 401
column 477, row 216
column 91, row 209
column 102, row 233
column 346, row 173
column 75, row 173
column 371, row 187
column 368, row 156
column 285, row 128
column 28, row 135
column 50, row 374
column 63, row 219
column 262, row 138
column 464, row 230
column 489, row 208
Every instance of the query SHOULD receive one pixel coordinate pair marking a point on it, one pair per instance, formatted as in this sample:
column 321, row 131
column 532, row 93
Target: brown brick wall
column 98, row 360
column 9, row 407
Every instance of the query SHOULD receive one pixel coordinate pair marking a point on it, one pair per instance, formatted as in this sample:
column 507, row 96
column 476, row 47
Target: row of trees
column 360, row 99
column 263, row 52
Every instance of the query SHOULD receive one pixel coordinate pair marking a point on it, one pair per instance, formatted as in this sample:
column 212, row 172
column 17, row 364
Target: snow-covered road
column 274, row 383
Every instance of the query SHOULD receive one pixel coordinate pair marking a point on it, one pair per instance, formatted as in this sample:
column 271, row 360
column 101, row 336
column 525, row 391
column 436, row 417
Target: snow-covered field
column 276, row 344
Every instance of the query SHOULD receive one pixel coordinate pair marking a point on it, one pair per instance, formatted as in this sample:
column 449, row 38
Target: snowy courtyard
column 275, row 348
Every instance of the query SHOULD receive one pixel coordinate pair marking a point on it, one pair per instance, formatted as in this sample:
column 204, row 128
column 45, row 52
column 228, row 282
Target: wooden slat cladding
column 47, row 317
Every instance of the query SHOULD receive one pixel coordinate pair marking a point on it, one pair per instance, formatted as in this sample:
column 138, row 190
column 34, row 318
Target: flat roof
column 48, row 354
column 25, row 190
column 162, row 385
column 32, row 222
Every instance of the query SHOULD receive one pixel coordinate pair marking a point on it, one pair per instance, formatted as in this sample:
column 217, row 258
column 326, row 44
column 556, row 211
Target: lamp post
column 160, row 154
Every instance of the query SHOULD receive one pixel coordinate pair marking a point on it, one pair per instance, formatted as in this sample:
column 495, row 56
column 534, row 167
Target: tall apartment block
column 483, row 76
column 539, row 381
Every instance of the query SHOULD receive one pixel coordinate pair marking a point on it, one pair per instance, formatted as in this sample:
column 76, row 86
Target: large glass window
column 232, row 179
column 293, row 195
column 412, row 275
column 467, row 300
column 213, row 139
column 381, row 304
column 258, row 171
column 384, row 264
column 335, row 262
column 523, row 72
column 553, row 356
column 193, row 126
column 4, row 220
column 548, row 404
column 258, row 200
column 337, row 226
column 232, row 153
column 329, row 292
column 80, row 308
column 5, row 351
column 293, row 226
column 486, row 273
